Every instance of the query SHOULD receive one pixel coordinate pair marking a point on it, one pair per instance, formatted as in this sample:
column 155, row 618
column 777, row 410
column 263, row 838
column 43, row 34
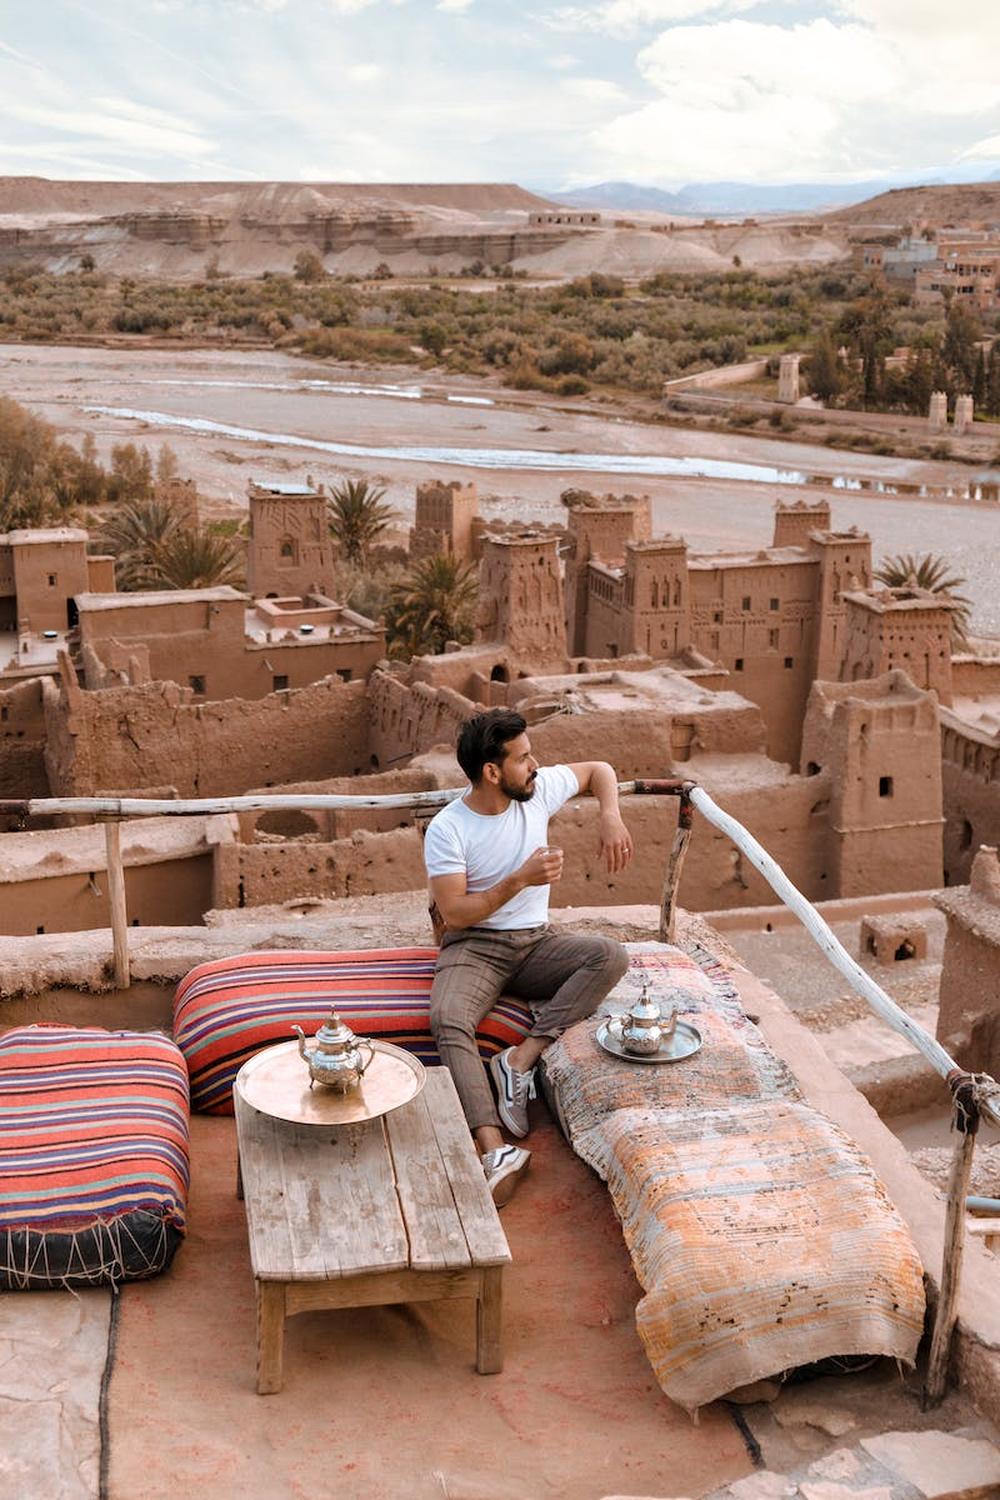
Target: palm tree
column 193, row 558
column 358, row 517
column 134, row 533
column 929, row 572
column 431, row 606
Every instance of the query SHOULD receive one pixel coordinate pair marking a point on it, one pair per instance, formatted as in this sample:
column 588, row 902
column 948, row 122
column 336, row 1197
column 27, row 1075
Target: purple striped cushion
column 93, row 1155
column 227, row 1010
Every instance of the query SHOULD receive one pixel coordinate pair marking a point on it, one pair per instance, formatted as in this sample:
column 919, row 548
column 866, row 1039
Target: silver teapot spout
column 336, row 1060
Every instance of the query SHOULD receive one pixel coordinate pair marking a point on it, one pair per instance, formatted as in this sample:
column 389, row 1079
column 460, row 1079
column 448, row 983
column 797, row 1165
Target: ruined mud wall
column 154, row 735
column 22, row 741
column 407, row 721
column 970, row 785
column 715, row 876
column 174, row 893
column 339, row 823
column 365, row 864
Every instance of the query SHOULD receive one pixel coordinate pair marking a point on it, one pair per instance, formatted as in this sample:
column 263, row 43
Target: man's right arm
column 461, row 907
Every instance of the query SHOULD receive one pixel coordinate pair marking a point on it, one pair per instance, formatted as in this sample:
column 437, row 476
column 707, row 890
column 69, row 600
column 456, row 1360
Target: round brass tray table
column 276, row 1083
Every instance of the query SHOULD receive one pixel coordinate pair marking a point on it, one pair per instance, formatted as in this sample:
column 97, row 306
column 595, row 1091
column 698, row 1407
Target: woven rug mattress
column 759, row 1232
column 93, row 1156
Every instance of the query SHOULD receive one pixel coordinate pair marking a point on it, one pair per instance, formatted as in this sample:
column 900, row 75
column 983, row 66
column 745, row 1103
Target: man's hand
column 615, row 846
column 544, row 867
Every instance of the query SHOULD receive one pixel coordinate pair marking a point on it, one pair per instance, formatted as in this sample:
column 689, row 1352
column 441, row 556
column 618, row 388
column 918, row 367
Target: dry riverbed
column 267, row 414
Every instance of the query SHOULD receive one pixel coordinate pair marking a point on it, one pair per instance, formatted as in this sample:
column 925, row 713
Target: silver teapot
column 644, row 1028
column 336, row 1059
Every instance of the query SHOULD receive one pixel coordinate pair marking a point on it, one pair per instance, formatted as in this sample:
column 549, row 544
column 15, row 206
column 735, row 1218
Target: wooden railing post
column 119, row 909
column 966, row 1122
column 675, row 864
column 671, row 787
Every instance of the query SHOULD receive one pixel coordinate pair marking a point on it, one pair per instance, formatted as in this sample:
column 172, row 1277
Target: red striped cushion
column 227, row 1010
column 93, row 1155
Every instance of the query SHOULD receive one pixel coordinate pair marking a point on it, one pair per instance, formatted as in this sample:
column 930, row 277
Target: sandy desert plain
column 231, row 416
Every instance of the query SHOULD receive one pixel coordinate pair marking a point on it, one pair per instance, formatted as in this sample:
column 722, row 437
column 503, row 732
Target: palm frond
column 930, row 572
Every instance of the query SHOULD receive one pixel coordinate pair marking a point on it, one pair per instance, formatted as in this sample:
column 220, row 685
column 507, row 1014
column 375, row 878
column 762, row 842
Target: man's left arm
column 601, row 781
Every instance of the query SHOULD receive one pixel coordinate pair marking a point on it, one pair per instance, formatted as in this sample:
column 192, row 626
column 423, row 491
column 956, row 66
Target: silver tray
column 685, row 1042
column 276, row 1083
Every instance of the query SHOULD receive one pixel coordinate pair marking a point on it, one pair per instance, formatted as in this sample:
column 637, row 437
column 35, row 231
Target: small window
column 279, row 682
column 746, row 602
column 885, row 786
column 344, row 673
column 775, row 604
column 53, row 580
column 738, row 664
column 717, row 617
column 197, row 685
column 4, row 715
column 772, row 640
column 789, row 663
column 812, row 769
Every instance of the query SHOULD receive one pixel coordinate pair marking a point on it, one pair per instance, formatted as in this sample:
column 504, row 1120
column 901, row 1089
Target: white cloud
column 365, row 72
column 562, row 60
column 950, row 56
column 594, row 90
column 133, row 128
column 750, row 100
column 984, row 150
column 354, row 7
column 456, row 6
column 737, row 65
column 621, row 17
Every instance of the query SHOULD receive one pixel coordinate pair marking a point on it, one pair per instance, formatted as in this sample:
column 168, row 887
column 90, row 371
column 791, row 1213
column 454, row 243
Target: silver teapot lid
column 335, row 1035
column 646, row 1010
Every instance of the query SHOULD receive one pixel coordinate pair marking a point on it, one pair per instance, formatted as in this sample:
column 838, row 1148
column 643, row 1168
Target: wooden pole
column 119, row 910
column 946, row 1315
column 675, row 864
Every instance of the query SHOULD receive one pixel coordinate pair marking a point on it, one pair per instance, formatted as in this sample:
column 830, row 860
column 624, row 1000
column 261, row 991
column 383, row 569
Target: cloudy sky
column 535, row 91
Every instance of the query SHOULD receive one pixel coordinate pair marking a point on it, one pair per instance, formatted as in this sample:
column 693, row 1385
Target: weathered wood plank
column 320, row 1203
column 381, row 1289
column 433, row 1225
column 261, row 1189
column 480, row 1222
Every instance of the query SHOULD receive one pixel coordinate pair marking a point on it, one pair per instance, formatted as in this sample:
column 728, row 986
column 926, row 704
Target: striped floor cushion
column 227, row 1010
column 93, row 1156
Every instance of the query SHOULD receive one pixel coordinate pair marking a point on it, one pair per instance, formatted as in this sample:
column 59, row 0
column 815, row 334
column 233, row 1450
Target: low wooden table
column 396, row 1210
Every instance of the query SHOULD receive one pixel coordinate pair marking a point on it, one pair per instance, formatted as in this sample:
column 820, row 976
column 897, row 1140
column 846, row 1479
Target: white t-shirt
column 486, row 849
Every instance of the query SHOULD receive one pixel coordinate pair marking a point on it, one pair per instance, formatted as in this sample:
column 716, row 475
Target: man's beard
column 519, row 793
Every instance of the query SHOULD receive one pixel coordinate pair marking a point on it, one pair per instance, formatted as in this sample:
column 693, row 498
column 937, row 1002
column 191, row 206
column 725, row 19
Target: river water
column 542, row 460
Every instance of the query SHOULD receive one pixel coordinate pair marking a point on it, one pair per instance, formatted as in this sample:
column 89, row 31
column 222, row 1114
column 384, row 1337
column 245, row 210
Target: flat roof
column 903, row 600
column 38, row 535
column 286, row 490
column 223, row 594
column 761, row 557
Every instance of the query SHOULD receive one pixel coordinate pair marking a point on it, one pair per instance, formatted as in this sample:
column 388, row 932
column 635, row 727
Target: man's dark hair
column 484, row 738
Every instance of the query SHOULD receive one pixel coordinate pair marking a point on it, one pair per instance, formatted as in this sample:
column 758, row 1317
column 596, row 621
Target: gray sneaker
column 514, row 1089
column 504, row 1168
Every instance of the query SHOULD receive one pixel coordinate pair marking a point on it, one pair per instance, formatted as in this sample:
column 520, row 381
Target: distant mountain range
column 701, row 198
column 720, row 197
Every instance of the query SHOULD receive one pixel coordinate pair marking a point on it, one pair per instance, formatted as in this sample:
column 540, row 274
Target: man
column 490, row 869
